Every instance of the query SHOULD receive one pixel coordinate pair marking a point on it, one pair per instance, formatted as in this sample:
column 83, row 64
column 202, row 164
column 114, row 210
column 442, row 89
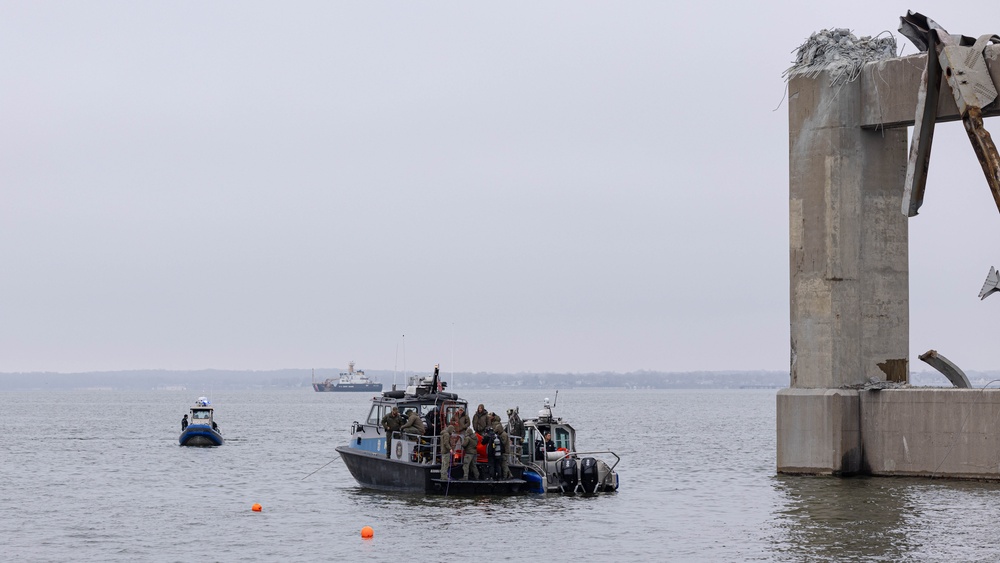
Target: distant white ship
column 350, row 380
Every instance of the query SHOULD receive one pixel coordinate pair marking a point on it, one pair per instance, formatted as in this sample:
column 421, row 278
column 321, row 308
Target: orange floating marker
column 367, row 532
column 256, row 507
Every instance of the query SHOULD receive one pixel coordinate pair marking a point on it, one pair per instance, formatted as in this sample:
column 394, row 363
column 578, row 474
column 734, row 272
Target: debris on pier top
column 841, row 53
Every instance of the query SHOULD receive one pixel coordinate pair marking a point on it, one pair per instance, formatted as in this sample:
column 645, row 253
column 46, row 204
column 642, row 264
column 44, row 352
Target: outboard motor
column 589, row 475
column 568, row 477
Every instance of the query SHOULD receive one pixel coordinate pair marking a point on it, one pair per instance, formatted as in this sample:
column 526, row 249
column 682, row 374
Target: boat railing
column 566, row 453
column 540, row 471
column 514, row 453
column 428, row 447
column 425, row 447
column 609, row 452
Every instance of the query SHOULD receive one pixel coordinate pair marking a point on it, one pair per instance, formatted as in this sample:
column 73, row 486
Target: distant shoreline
column 179, row 380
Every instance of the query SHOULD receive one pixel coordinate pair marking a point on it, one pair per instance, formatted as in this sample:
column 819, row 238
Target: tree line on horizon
column 296, row 378
column 302, row 378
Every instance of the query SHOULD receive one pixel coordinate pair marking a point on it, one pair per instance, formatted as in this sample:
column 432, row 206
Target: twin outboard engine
column 586, row 475
column 568, row 477
column 589, row 477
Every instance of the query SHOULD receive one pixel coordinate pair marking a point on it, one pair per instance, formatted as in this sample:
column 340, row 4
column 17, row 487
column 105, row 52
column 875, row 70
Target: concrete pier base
column 932, row 432
column 893, row 432
column 819, row 432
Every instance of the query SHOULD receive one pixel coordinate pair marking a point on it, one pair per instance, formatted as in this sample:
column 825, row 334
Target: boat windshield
column 379, row 410
column 199, row 414
column 534, row 446
column 561, row 437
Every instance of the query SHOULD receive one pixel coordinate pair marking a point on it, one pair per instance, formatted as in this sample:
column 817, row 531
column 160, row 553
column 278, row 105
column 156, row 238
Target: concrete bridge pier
column 849, row 271
column 850, row 289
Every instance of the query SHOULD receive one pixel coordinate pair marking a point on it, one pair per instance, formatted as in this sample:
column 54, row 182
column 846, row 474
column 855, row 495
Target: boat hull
column 375, row 471
column 348, row 387
column 200, row 435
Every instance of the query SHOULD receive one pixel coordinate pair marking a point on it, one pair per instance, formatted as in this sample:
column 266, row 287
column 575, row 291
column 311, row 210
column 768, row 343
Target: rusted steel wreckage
column 962, row 62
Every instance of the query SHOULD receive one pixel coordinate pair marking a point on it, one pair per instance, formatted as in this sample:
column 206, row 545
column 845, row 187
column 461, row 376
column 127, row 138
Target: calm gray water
column 98, row 476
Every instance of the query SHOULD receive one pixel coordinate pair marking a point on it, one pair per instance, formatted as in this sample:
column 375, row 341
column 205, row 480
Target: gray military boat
column 414, row 464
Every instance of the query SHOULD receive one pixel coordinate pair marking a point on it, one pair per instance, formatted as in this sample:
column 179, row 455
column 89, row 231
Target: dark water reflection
column 885, row 519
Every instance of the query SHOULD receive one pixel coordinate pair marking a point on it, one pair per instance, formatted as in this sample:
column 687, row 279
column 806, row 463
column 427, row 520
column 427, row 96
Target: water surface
column 98, row 476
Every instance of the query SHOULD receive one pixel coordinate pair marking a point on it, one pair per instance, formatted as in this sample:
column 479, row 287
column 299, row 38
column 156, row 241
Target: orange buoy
column 367, row 532
column 256, row 507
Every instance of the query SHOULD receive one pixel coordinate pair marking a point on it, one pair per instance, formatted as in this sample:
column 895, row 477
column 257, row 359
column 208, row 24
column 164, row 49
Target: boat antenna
column 555, row 399
column 394, row 364
column 452, row 354
column 404, row 358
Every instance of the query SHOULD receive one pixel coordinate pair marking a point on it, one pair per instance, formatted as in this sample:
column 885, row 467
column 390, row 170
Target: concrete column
column 848, row 240
column 849, row 273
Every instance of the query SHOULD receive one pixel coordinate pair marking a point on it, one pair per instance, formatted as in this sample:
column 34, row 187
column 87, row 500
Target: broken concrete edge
column 890, row 99
column 841, row 53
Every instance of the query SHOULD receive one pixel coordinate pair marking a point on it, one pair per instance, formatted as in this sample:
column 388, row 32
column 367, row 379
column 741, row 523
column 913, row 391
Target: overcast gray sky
column 517, row 186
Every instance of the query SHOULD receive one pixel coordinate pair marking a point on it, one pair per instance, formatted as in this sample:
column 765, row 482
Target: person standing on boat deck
column 550, row 446
column 184, row 423
column 504, row 448
column 492, row 419
column 469, row 441
column 432, row 422
column 414, row 424
column 462, row 419
column 446, row 451
column 480, row 420
column 391, row 422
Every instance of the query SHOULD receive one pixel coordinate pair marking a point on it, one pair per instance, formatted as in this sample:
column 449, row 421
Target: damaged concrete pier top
column 850, row 102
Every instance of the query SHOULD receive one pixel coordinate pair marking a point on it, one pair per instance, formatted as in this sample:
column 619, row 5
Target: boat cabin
column 431, row 403
column 202, row 412
column 201, row 415
column 535, row 447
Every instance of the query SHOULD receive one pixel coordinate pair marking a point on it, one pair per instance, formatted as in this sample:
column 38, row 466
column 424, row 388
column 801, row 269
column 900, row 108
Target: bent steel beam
column 923, row 135
column 919, row 30
column 955, row 375
column 963, row 64
column 973, row 89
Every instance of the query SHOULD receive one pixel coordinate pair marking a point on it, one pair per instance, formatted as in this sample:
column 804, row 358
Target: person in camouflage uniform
column 414, row 425
column 391, row 422
column 469, row 441
column 446, row 447
column 462, row 420
column 504, row 448
column 480, row 420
